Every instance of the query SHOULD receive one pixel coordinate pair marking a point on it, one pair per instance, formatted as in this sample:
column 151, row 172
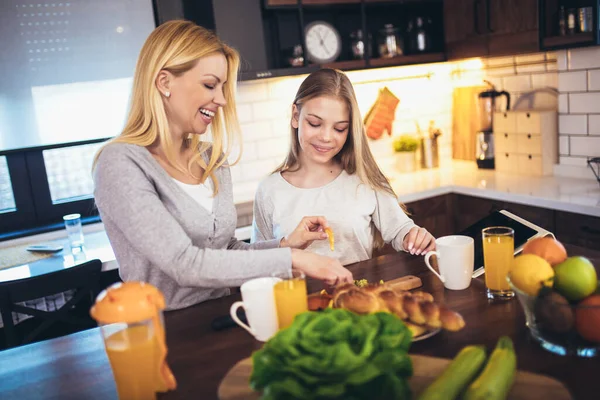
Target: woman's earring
column 167, row 94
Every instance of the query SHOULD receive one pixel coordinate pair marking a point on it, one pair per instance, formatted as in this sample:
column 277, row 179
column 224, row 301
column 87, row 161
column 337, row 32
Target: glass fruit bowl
column 560, row 327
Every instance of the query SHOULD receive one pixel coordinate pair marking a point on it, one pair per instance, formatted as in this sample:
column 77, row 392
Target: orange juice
column 498, row 255
column 290, row 299
column 133, row 354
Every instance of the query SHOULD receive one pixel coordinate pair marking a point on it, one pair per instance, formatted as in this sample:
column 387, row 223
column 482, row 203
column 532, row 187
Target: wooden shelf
column 578, row 38
column 408, row 59
column 347, row 65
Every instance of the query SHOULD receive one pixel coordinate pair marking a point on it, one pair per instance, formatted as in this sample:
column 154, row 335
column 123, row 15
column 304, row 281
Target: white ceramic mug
column 258, row 301
column 456, row 258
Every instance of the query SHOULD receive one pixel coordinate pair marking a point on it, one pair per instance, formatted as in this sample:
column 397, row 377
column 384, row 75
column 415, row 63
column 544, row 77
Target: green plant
column 405, row 143
column 335, row 354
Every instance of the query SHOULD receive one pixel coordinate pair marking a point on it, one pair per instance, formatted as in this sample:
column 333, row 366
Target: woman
column 330, row 170
column 165, row 195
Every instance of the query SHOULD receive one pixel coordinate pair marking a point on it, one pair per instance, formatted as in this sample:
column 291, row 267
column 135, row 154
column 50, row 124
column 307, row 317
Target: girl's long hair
column 176, row 46
column 355, row 156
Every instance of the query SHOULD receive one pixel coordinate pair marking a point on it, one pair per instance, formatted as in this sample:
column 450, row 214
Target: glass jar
column 390, row 42
column 358, row 45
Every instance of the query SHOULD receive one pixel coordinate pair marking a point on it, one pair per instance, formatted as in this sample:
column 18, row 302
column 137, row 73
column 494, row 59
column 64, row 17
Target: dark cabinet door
column 468, row 210
column 433, row 214
column 578, row 229
column 513, row 26
column 464, row 28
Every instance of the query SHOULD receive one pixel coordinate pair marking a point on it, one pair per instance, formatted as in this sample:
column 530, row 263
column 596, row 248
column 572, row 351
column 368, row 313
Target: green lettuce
column 335, row 354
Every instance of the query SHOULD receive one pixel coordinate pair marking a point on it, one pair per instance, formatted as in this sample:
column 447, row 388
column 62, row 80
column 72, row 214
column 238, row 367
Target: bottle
column 571, row 21
column 562, row 21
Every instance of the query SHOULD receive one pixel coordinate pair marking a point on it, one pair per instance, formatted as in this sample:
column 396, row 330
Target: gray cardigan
column 163, row 236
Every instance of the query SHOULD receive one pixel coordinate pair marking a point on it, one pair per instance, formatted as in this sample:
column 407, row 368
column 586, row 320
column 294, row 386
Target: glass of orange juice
column 290, row 298
column 498, row 255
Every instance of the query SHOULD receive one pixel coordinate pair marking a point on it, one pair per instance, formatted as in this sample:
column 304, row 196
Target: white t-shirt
column 202, row 193
column 352, row 209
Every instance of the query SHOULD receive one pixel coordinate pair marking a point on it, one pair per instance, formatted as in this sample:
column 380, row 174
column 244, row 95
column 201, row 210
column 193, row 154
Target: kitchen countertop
column 580, row 196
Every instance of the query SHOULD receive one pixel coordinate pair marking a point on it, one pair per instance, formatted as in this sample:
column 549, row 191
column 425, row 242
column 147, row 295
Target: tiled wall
column 425, row 93
column 579, row 109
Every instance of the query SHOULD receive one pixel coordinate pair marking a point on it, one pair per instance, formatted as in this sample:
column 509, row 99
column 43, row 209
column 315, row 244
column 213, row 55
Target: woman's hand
column 307, row 231
column 326, row 269
column 418, row 241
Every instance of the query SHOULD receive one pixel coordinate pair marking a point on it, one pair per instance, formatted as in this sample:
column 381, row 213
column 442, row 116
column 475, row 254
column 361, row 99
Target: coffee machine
column 485, row 136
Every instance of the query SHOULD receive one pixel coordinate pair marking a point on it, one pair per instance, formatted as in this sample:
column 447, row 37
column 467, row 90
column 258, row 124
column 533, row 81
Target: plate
column 426, row 335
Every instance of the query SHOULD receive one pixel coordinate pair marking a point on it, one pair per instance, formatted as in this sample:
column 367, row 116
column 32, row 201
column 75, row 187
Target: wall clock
column 323, row 42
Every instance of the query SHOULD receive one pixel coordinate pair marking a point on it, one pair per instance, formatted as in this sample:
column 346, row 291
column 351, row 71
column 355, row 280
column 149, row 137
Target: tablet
column 524, row 231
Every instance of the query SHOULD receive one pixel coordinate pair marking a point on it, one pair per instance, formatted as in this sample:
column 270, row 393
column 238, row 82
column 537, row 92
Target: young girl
column 330, row 171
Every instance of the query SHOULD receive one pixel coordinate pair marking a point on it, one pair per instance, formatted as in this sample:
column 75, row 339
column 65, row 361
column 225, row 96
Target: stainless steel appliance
column 485, row 135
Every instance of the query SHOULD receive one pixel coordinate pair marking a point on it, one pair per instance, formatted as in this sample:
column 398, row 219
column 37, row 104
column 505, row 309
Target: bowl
column 551, row 331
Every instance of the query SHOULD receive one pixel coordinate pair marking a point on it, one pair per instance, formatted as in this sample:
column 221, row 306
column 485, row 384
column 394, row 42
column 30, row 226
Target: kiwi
column 553, row 312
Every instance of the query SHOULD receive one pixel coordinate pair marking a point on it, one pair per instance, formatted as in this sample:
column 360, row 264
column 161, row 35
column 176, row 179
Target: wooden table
column 76, row 367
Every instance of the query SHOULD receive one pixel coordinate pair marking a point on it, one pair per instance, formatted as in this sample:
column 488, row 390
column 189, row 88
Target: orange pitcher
column 130, row 318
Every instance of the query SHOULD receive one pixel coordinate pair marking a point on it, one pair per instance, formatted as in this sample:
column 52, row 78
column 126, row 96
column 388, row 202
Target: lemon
column 530, row 272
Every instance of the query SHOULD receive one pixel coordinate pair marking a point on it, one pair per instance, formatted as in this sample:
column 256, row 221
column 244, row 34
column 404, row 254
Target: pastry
column 329, row 233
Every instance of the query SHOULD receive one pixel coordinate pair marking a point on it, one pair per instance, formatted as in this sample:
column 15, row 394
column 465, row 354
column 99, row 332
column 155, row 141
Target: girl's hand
column 418, row 241
column 307, row 231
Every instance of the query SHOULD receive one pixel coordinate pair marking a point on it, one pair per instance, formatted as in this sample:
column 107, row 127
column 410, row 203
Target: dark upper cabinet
column 464, row 29
column 478, row 28
column 513, row 26
column 577, row 35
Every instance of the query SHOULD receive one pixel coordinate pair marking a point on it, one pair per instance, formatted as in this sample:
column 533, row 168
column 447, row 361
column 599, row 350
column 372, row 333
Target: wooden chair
column 84, row 279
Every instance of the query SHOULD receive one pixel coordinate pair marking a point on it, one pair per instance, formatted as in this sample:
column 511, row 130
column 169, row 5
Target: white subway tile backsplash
column 519, row 83
column 281, row 127
column 576, row 161
column 501, row 71
column 572, row 124
column 493, row 61
column 561, row 60
column 276, row 148
column 563, row 145
column 563, row 103
column 539, row 81
column 527, row 58
column 572, row 81
column 586, row 58
column 258, row 170
column 551, row 67
column 585, row 146
column 551, row 56
column 256, row 131
column 584, row 103
column 524, row 69
column 249, row 92
column 594, row 79
column 269, row 110
column 244, row 112
column 594, row 124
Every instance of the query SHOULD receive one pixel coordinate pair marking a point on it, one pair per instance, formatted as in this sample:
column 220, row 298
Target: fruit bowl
column 559, row 326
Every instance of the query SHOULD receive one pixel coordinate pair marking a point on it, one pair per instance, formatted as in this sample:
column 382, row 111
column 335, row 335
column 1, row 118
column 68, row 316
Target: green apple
column 575, row 278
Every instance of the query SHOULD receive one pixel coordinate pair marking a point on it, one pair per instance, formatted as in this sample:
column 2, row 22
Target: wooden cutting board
column 465, row 117
column 527, row 386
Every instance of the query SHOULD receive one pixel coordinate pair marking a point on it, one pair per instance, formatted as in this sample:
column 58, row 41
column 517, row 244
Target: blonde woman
column 330, row 171
column 165, row 195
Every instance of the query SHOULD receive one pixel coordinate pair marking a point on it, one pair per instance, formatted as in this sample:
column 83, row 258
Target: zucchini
column 457, row 375
column 498, row 376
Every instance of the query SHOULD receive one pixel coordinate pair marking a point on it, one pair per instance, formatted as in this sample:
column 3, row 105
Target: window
column 7, row 199
column 67, row 69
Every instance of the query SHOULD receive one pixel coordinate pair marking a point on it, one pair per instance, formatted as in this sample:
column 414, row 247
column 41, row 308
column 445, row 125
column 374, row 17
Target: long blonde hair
column 176, row 47
column 355, row 156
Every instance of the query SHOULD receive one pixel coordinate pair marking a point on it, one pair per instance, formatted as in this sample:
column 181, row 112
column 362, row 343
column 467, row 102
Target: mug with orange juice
column 290, row 298
column 498, row 256
column 130, row 319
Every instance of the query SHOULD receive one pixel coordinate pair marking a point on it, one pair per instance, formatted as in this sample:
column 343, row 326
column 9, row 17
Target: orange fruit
column 587, row 318
column 548, row 248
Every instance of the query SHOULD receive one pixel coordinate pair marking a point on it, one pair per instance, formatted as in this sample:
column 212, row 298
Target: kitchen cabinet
column 433, row 214
column 477, row 28
column 269, row 33
column 578, row 229
column 513, row 26
column 551, row 37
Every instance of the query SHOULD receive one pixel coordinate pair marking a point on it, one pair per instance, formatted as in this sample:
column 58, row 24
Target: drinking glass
column 290, row 298
column 74, row 229
column 498, row 255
